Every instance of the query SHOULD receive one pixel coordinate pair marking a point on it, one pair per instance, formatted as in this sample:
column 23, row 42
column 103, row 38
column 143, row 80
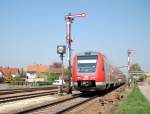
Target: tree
column 136, row 68
column 22, row 73
column 21, row 77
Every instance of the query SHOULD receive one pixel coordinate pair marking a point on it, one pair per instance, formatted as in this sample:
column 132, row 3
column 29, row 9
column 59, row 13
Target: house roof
column 40, row 68
column 9, row 70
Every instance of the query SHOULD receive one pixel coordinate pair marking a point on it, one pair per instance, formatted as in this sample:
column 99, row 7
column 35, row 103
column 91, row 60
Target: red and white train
column 93, row 72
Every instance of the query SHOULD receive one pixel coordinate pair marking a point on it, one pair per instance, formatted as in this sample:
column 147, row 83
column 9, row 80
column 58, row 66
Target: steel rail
column 11, row 91
column 27, row 96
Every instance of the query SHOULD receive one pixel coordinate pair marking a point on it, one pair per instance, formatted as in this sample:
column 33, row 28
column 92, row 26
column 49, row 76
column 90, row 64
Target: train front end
column 87, row 72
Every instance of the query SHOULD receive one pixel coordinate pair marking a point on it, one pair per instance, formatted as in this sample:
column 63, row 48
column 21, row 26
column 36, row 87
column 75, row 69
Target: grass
column 135, row 103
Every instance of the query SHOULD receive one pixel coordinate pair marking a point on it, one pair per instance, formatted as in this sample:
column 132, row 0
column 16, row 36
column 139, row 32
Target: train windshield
column 87, row 64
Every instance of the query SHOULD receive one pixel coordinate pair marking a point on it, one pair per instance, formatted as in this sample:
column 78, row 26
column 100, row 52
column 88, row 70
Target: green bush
column 18, row 78
column 141, row 78
column 43, row 83
column 52, row 77
column 22, row 73
column 49, row 77
column 8, row 78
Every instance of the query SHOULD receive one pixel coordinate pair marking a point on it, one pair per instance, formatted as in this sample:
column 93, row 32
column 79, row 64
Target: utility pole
column 129, row 62
column 69, row 20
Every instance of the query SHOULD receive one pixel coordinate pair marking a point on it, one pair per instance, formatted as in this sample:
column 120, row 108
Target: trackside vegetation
column 135, row 103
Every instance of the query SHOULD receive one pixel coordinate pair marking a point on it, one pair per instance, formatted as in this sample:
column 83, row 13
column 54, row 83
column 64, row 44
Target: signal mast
column 129, row 61
column 69, row 19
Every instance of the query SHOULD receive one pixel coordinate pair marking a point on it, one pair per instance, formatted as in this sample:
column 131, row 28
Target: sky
column 30, row 30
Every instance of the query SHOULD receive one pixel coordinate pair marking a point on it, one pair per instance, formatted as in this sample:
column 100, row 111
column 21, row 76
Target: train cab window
column 87, row 64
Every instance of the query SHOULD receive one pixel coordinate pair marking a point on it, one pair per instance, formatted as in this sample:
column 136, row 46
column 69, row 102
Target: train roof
column 88, row 53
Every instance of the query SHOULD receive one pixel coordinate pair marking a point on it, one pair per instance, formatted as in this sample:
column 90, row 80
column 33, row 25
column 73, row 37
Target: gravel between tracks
column 58, row 107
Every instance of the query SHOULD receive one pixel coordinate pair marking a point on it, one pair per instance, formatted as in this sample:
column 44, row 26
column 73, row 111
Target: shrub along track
column 78, row 104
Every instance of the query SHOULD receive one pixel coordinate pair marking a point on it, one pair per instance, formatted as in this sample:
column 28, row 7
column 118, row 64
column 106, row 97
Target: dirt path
column 145, row 89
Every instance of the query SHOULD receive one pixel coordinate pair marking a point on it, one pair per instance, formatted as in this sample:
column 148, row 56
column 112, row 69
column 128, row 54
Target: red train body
column 93, row 72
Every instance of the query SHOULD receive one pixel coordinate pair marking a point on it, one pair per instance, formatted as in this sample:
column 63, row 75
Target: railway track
column 69, row 104
column 12, row 98
column 75, row 104
column 52, row 105
column 12, row 91
column 61, row 106
column 47, row 105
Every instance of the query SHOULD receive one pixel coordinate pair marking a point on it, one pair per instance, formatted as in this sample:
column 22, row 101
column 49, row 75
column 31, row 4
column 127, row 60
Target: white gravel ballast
column 11, row 107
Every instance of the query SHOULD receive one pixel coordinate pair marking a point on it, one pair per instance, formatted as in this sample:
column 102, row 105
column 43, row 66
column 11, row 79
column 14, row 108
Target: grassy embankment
column 135, row 103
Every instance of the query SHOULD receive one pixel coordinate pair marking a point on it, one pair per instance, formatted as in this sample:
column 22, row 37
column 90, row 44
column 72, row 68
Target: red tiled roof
column 8, row 70
column 38, row 68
